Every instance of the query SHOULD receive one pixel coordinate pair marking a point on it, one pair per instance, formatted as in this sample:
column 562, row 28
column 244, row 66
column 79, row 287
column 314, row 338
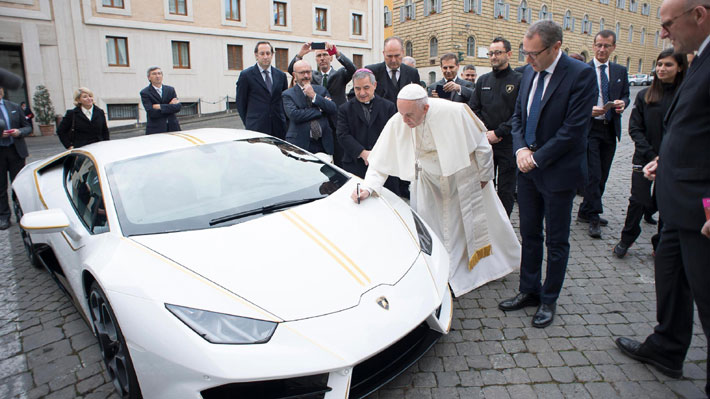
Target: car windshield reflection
column 188, row 188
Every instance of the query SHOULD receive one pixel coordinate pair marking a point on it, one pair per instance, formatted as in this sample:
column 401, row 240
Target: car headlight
column 425, row 242
column 220, row 328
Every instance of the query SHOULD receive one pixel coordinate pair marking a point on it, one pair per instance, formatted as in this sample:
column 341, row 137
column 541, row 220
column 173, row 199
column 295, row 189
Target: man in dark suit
column 494, row 101
column 457, row 89
column 392, row 74
column 160, row 103
column 469, row 73
column 333, row 80
column 360, row 122
column 612, row 86
column 682, row 174
column 259, row 90
column 308, row 107
column 13, row 150
column 550, row 125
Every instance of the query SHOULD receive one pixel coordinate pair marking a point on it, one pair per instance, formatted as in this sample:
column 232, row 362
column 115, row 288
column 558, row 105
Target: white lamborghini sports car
column 229, row 264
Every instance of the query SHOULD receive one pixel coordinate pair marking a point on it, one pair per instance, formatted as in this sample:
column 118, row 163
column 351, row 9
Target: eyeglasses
column 533, row 54
column 495, row 53
column 606, row 46
column 667, row 25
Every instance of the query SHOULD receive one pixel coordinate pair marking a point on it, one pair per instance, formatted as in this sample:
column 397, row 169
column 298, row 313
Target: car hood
column 303, row 262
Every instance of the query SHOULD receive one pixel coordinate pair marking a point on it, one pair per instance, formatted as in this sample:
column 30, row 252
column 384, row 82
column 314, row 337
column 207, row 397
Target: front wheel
column 112, row 345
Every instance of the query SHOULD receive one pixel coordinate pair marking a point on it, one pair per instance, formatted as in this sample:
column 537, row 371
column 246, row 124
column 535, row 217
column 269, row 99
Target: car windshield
column 214, row 185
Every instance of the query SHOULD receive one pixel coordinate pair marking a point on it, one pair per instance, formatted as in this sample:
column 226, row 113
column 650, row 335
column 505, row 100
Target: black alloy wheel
column 26, row 239
column 112, row 345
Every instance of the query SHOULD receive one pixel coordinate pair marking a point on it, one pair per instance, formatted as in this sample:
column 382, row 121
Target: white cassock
column 445, row 158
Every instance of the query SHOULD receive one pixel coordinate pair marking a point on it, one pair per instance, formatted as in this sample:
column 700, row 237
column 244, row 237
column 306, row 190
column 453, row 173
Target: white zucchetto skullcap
column 411, row 91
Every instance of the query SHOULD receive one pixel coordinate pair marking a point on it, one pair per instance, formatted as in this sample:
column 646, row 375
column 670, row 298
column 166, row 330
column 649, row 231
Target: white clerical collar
column 597, row 64
column 551, row 69
column 703, row 45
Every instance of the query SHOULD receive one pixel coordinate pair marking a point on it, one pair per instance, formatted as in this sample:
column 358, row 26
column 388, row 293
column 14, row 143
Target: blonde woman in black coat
column 84, row 124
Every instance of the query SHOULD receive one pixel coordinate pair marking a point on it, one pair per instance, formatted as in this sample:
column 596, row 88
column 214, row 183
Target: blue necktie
column 531, row 124
column 5, row 115
column 605, row 88
column 267, row 79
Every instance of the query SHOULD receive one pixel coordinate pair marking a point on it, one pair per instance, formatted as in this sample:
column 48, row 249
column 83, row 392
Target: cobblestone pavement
column 47, row 350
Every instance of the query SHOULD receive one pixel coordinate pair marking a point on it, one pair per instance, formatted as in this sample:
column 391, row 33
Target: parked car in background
column 649, row 79
column 638, row 79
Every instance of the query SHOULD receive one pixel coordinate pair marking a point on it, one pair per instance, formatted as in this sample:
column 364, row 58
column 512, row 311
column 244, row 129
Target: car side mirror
column 45, row 222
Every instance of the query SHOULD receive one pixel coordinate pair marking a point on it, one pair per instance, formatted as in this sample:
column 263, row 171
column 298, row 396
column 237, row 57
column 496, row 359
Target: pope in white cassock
column 440, row 146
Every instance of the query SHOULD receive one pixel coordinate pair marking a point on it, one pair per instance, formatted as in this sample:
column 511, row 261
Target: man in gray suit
column 456, row 89
column 13, row 150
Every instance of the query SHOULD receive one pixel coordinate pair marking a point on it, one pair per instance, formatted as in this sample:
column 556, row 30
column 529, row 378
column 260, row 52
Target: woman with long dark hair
column 646, row 129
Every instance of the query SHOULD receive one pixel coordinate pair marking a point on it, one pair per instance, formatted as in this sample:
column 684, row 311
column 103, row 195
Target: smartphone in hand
column 318, row 46
column 441, row 92
column 609, row 105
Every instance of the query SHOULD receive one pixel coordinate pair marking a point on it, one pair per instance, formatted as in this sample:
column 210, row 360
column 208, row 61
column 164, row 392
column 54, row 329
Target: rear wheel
column 112, row 345
column 30, row 249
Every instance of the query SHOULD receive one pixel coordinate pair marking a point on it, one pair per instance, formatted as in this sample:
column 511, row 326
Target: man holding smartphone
column 451, row 87
column 13, row 150
column 613, row 97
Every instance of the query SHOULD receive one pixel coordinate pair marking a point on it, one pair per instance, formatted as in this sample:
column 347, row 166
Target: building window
column 407, row 11
column 472, row 6
column 281, row 58
column 621, row 4
column 117, row 51
column 112, row 3
column 601, row 24
column 187, row 109
column 357, row 60
column 658, row 13
column 645, row 9
column 640, row 65
column 586, row 28
column 631, row 33
column 388, row 17
column 628, row 63
column 118, row 112
column 181, row 55
column 567, row 21
column 433, row 47
column 501, row 10
column 321, row 19
column 408, row 51
column 279, row 14
column 658, row 36
column 604, row 1
column 543, row 13
column 643, row 36
column 521, row 54
column 431, row 7
column 432, row 77
column 471, row 46
column 633, row 6
column 356, row 24
column 617, row 30
column 584, row 56
column 177, row 7
column 234, row 57
column 524, row 12
column 231, row 10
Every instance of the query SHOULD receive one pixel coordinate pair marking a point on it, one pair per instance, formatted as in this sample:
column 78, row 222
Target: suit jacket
column 466, row 90
column 337, row 79
column 356, row 134
column 385, row 88
column 618, row 90
column 17, row 121
column 301, row 111
column 683, row 175
column 85, row 131
column 163, row 119
column 260, row 110
column 563, row 123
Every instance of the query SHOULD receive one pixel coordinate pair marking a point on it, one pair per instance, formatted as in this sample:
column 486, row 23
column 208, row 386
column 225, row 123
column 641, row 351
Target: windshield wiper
column 263, row 210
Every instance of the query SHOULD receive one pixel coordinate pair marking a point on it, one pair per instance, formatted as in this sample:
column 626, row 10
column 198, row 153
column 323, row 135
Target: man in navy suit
column 13, row 150
column 308, row 108
column 160, row 103
column 682, row 174
column 457, row 89
column 549, row 129
column 392, row 74
column 612, row 86
column 259, row 90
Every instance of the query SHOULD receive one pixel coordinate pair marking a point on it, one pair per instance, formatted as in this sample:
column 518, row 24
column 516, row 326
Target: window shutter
column 414, row 10
column 466, row 5
column 438, row 6
column 401, row 14
column 507, row 11
column 426, row 7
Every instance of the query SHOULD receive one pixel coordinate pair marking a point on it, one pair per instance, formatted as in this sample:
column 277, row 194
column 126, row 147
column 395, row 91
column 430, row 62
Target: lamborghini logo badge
column 384, row 304
column 509, row 88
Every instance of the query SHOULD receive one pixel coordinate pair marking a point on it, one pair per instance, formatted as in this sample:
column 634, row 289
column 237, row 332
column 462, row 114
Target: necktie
column 605, row 88
column 3, row 111
column 267, row 79
column 315, row 129
column 394, row 78
column 160, row 92
column 325, row 80
column 531, row 125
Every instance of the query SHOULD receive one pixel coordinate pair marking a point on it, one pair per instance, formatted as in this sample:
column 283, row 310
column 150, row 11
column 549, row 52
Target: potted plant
column 44, row 110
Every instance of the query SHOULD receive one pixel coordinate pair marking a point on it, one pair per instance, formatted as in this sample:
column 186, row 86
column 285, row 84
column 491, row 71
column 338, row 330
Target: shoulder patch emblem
column 509, row 88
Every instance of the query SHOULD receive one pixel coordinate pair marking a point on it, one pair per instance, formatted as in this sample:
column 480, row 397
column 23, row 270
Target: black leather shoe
column 635, row 350
column 620, row 250
column 594, row 230
column 519, row 301
column 649, row 219
column 584, row 219
column 5, row 224
column 545, row 315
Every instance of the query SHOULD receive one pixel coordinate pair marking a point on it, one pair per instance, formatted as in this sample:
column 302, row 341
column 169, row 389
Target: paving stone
column 445, row 393
column 574, row 391
column 41, row 338
column 637, row 372
column 548, row 391
column 525, row 360
column 478, row 362
column 447, row 379
column 495, row 392
column 538, row 374
column 502, row 361
column 574, row 358
column 516, row 376
column 471, row 378
column 561, row 374
column 514, row 346
column 550, row 359
column 427, row 380
column 520, row 391
column 601, row 390
column 492, row 377
column 586, row 374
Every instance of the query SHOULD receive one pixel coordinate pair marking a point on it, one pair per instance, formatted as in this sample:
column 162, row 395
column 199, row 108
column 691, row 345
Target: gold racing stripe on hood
column 192, row 140
column 331, row 249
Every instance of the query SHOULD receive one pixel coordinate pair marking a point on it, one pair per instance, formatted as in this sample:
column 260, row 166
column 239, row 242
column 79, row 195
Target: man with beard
column 494, row 102
column 454, row 88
